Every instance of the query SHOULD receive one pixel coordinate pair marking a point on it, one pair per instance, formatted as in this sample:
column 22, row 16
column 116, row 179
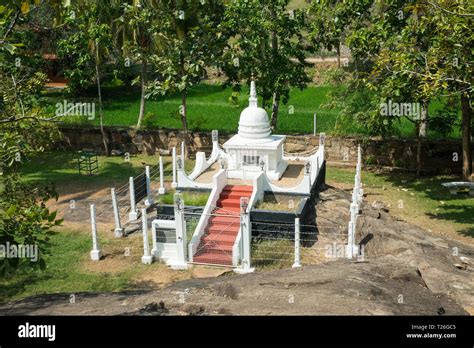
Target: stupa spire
column 253, row 100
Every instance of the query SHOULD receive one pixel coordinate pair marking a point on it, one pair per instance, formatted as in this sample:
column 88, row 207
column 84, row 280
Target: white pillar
column 180, row 262
column 154, row 243
column 96, row 253
column 246, row 233
column 146, row 258
column 351, row 248
column 215, row 140
column 174, row 183
column 118, row 226
column 314, row 126
column 297, row 244
column 359, row 155
column 322, row 141
column 161, row 190
column 182, row 152
column 322, row 138
column 149, row 196
column 133, row 208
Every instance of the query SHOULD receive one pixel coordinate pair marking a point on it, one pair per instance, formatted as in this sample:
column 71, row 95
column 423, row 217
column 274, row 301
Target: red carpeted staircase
column 222, row 228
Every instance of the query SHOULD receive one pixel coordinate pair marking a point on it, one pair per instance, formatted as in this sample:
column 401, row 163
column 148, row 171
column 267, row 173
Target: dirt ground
column 406, row 270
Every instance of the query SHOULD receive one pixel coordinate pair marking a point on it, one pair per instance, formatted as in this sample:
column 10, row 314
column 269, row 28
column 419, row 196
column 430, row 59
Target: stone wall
column 438, row 155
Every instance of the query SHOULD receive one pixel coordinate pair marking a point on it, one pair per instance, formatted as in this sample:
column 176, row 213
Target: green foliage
column 24, row 131
column 190, row 198
column 90, row 41
column 191, row 39
column 401, row 51
column 267, row 43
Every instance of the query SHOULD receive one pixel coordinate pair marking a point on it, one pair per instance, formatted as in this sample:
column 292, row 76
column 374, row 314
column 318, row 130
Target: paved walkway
column 292, row 176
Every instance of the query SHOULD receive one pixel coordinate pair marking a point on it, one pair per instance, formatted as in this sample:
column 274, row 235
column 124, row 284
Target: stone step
column 223, row 229
column 213, row 259
column 228, row 202
column 220, row 238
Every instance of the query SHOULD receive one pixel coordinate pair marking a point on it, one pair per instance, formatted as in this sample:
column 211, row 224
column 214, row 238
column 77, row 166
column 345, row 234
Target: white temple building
column 254, row 148
column 238, row 174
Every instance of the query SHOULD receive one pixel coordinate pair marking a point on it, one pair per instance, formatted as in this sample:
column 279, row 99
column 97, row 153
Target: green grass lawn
column 423, row 198
column 422, row 201
column 425, row 203
column 63, row 272
column 208, row 108
column 60, row 168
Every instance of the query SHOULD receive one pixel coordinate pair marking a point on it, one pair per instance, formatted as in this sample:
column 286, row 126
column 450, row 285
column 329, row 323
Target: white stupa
column 254, row 148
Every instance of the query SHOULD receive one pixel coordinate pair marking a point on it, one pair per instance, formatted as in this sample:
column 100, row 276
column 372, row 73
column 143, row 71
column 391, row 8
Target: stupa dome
column 254, row 123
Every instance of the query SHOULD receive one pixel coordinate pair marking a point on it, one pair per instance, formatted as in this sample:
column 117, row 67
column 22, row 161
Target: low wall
column 439, row 156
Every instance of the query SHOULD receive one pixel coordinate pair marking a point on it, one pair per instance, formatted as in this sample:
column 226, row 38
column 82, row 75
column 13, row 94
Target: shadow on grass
column 18, row 283
column 458, row 208
column 60, row 168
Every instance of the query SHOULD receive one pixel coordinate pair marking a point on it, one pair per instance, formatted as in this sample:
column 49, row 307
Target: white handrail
column 219, row 181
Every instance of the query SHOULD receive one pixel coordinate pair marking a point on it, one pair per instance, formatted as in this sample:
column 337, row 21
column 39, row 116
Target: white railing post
column 322, row 141
column 359, row 155
column 307, row 173
column 118, row 226
column 180, row 233
column 246, row 233
column 146, row 258
column 174, row 183
column 161, row 190
column 322, row 138
column 314, row 125
column 351, row 247
column 154, row 242
column 96, row 253
column 297, row 262
column 133, row 215
column 149, row 197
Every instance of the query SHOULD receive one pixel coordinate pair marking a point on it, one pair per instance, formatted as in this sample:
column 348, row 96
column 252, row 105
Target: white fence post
column 180, row 233
column 322, row 141
column 322, row 138
column 96, row 253
column 118, row 226
column 351, row 248
column 297, row 262
column 154, row 242
column 174, row 183
column 161, row 190
column 246, row 232
column 133, row 208
column 357, row 195
column 314, row 125
column 149, row 197
column 146, row 258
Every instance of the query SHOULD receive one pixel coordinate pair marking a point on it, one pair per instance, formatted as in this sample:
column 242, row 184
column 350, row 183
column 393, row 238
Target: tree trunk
column 276, row 93
column 338, row 51
column 105, row 141
column 275, row 108
column 142, row 97
column 466, row 137
column 421, row 135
